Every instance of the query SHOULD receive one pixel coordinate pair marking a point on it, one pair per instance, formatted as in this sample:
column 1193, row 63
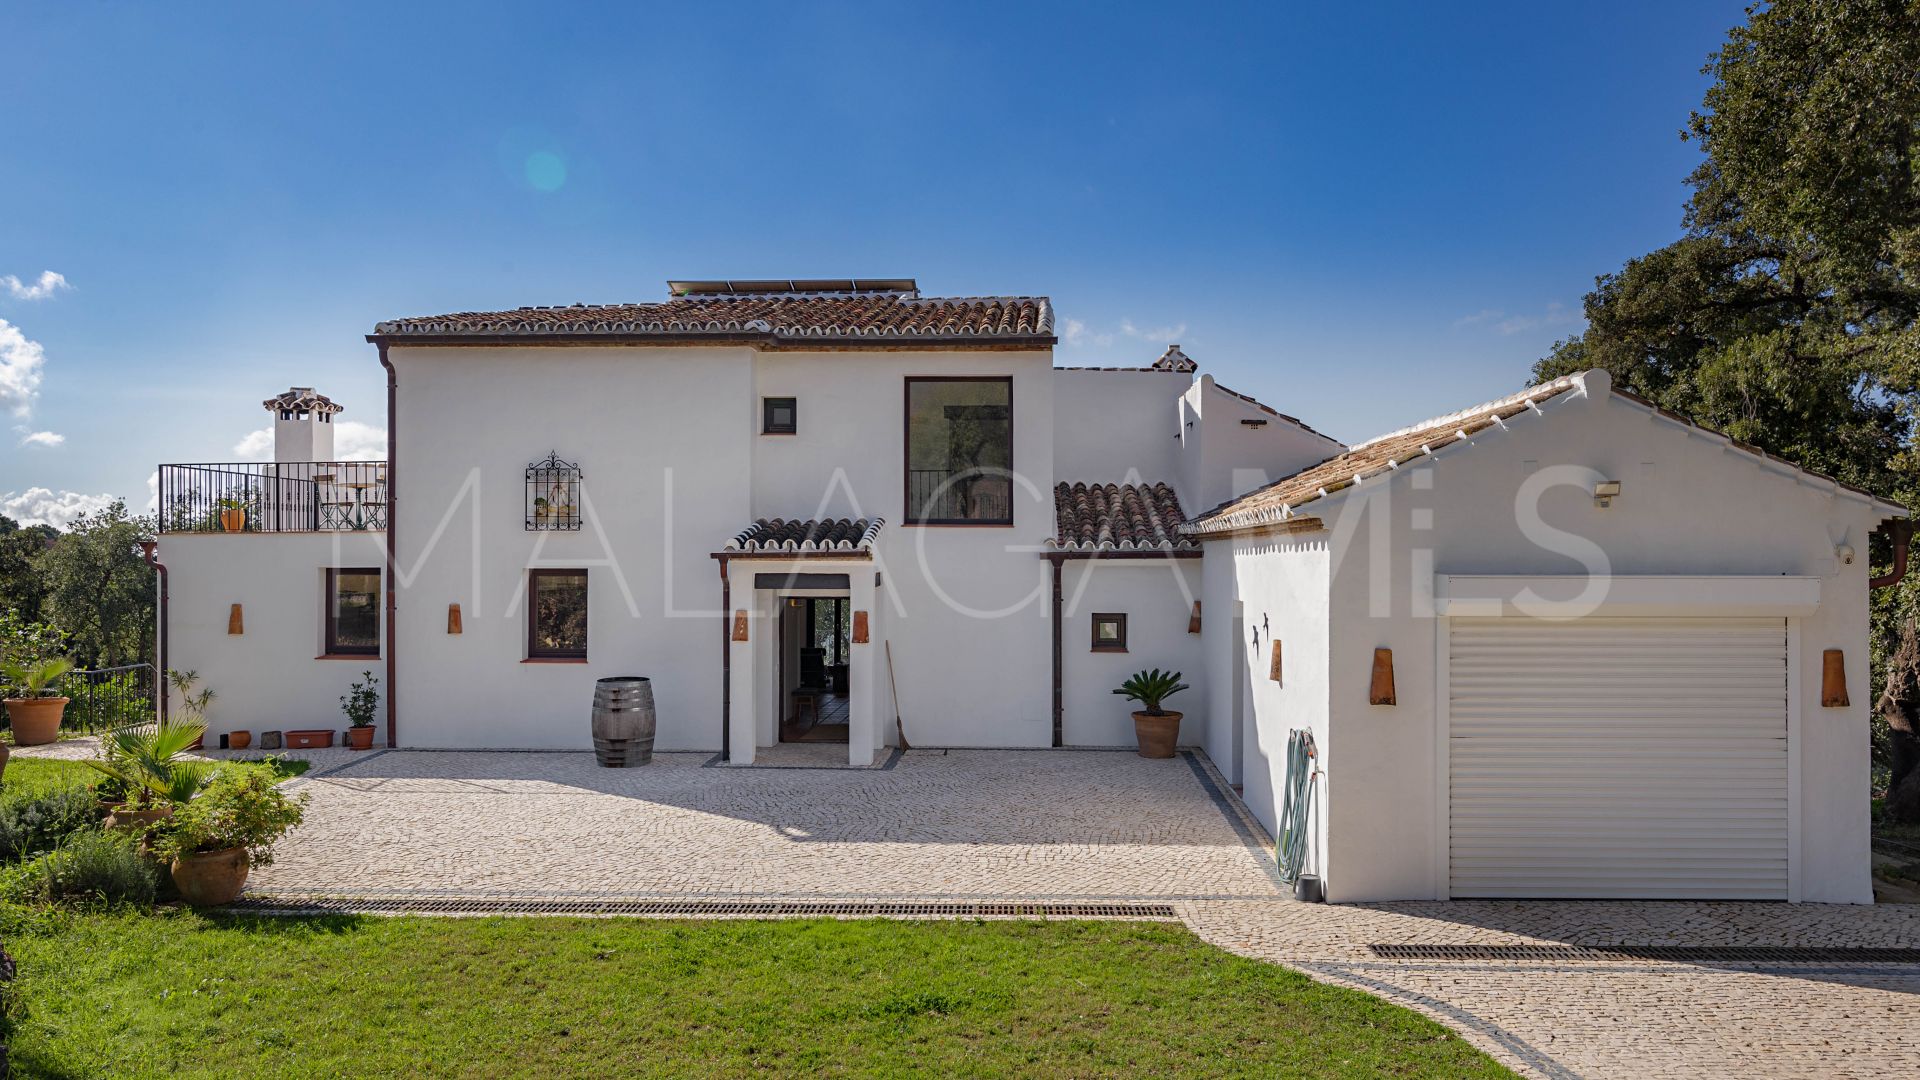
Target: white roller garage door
column 1618, row 758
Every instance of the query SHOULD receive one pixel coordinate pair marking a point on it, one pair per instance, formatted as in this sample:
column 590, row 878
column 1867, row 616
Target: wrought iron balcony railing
column 278, row 496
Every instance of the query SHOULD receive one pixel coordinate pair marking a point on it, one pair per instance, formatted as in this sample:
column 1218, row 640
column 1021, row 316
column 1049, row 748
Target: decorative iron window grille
column 553, row 495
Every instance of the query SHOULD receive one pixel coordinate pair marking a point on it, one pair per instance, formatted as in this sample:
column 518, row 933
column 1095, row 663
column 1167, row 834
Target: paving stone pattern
column 1093, row 825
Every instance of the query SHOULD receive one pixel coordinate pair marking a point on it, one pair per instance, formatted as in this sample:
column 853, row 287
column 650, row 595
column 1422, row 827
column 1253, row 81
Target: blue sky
column 1362, row 218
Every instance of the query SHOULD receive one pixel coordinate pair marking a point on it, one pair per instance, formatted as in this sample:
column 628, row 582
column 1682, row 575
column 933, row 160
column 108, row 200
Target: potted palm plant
column 1155, row 729
column 36, row 708
column 148, row 769
column 212, row 841
column 359, row 703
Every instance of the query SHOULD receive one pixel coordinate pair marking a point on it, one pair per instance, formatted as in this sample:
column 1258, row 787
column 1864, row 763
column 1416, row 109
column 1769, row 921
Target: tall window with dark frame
column 959, row 451
column 779, row 416
column 556, row 614
column 353, row 612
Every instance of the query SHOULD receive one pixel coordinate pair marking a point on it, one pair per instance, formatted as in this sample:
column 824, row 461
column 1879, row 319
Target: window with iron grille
column 553, row 495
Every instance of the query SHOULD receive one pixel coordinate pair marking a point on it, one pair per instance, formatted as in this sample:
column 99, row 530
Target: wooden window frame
column 536, row 654
column 1118, row 644
column 330, row 645
column 767, row 426
column 908, row 517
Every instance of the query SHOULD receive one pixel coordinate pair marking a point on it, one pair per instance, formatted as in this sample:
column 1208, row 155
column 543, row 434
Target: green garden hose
column 1296, row 810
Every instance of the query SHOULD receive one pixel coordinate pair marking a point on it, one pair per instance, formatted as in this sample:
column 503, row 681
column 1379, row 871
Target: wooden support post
column 1380, row 689
column 1833, row 679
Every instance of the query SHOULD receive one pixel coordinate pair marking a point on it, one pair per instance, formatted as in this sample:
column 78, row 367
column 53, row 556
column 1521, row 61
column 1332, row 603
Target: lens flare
column 545, row 171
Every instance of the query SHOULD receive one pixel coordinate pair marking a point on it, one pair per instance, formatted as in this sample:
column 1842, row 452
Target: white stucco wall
column 1222, row 458
column 1117, row 427
column 266, row 678
column 1157, row 597
column 1690, row 506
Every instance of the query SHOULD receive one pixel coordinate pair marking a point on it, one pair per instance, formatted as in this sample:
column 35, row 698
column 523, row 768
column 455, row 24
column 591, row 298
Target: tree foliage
column 98, row 588
column 1788, row 312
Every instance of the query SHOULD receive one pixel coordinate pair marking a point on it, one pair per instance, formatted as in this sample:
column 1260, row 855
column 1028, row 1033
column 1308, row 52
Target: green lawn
column 185, row 995
column 36, row 775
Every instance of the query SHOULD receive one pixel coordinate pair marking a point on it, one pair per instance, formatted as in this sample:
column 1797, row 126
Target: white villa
column 1562, row 644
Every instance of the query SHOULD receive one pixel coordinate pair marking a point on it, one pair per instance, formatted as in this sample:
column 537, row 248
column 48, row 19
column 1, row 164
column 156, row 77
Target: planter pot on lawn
column 35, row 720
column 137, row 820
column 1157, row 735
column 211, row 878
column 360, row 738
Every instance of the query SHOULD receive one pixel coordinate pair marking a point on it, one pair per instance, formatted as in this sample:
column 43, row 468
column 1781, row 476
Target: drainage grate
column 1698, row 953
column 456, row 905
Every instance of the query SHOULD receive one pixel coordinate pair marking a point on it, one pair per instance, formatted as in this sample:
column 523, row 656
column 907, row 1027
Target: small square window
column 778, row 416
column 1109, row 632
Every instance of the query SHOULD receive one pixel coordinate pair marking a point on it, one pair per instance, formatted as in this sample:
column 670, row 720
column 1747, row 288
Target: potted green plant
column 1156, row 730
column 193, row 707
column 540, row 508
column 359, row 703
column 36, row 707
column 148, row 769
column 212, row 841
column 233, row 514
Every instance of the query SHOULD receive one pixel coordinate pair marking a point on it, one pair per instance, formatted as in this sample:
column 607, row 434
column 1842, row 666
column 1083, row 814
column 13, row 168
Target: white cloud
column 1556, row 314
column 48, row 284
column 352, row 441
column 42, row 438
column 21, row 361
column 1159, row 335
column 39, row 506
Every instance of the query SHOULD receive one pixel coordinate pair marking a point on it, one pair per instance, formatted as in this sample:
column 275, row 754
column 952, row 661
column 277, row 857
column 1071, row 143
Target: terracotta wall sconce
column 1273, row 663
column 1833, row 679
column 236, row 623
column 1193, row 620
column 453, row 618
column 740, row 625
column 859, row 628
column 1380, row 688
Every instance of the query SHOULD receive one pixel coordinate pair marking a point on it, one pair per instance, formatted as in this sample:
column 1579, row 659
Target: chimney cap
column 302, row 399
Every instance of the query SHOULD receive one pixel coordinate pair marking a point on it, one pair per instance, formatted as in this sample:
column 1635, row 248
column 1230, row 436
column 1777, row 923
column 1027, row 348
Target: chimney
column 302, row 425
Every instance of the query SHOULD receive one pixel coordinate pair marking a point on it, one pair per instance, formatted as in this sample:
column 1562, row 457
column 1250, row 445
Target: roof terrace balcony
column 273, row 497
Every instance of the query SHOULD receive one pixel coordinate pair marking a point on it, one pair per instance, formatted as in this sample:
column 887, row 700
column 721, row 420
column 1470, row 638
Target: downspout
column 1900, row 530
column 390, row 585
column 147, row 548
column 726, row 663
column 1059, row 722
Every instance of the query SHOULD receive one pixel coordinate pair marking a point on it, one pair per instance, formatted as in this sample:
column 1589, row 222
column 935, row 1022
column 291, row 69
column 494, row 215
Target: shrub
column 1150, row 688
column 36, row 823
column 237, row 810
column 92, row 866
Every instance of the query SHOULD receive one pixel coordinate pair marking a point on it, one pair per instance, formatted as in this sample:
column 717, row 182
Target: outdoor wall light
column 1604, row 492
column 236, row 622
column 1380, row 687
column 740, row 625
column 1833, row 679
column 860, row 628
column 453, row 619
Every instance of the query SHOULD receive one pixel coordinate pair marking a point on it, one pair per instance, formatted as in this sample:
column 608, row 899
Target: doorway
column 812, row 667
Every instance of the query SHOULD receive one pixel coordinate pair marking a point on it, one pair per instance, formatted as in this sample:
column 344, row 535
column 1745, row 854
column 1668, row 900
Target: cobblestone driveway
column 1085, row 825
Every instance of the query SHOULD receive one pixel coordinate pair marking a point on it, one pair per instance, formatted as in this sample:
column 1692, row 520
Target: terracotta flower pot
column 360, row 738
column 239, row 740
column 233, row 520
column 1157, row 735
column 137, row 820
column 211, row 878
column 35, row 720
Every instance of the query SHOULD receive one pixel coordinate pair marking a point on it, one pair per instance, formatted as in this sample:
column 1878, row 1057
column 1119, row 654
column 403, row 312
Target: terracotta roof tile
column 831, row 534
column 1279, row 500
column 1120, row 517
column 784, row 316
column 302, row 399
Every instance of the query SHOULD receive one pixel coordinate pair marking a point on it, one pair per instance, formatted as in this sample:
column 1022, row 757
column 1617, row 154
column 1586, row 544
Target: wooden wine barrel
column 623, row 721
